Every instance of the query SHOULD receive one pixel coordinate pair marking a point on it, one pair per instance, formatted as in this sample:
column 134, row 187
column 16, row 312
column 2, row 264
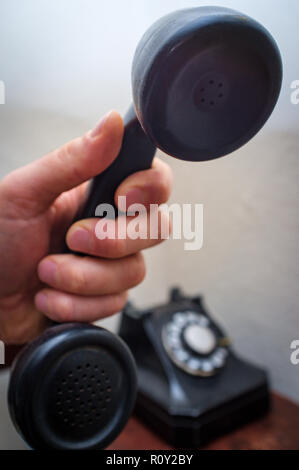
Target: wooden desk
column 279, row 430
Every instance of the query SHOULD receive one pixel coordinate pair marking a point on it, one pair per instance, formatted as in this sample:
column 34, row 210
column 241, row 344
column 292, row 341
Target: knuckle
column 63, row 309
column 69, row 165
column 76, row 281
column 136, row 270
column 63, row 154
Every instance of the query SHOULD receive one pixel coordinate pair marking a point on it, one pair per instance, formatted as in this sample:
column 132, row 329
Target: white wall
column 65, row 62
column 74, row 56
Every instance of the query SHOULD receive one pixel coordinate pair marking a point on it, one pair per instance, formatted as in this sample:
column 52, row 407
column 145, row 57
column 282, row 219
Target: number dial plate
column 193, row 345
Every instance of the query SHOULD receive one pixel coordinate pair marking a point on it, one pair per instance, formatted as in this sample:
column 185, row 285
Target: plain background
column 66, row 62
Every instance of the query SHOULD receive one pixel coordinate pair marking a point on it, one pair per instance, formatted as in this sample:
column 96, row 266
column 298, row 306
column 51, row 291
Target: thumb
column 38, row 184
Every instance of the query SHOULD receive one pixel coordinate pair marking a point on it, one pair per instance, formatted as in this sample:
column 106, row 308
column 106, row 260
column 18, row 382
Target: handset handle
column 136, row 154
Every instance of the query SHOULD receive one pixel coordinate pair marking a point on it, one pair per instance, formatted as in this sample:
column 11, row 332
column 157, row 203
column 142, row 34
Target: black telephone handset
column 191, row 384
column 205, row 80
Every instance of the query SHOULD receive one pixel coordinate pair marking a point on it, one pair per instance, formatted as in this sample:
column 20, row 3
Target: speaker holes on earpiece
column 82, row 398
column 210, row 91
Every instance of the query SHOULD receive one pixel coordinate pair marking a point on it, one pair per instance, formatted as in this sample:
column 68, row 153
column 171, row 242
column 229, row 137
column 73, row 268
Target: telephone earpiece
column 205, row 80
column 72, row 388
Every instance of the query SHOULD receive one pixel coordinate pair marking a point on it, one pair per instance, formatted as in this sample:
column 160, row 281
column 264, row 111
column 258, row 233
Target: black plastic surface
column 205, row 80
column 186, row 410
column 72, row 388
column 136, row 154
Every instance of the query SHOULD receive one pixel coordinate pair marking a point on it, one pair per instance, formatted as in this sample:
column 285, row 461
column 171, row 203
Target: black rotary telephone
column 192, row 386
column 205, row 80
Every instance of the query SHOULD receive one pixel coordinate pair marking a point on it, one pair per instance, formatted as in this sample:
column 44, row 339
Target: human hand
column 37, row 205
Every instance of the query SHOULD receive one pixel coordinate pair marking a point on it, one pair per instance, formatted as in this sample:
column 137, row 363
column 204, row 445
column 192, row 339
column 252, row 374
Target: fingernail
column 47, row 271
column 135, row 196
column 79, row 240
column 41, row 302
column 98, row 128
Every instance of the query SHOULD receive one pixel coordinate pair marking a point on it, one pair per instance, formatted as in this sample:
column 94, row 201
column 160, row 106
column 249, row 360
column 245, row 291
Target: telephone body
column 192, row 386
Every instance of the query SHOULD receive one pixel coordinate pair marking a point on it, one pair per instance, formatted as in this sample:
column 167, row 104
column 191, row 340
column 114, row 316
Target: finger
column 147, row 187
column 138, row 234
column 38, row 184
column 62, row 307
column 91, row 276
column 63, row 212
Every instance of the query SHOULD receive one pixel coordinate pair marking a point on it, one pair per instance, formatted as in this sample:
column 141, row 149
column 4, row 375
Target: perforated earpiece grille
column 82, row 397
column 73, row 388
column 84, row 393
column 211, row 92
